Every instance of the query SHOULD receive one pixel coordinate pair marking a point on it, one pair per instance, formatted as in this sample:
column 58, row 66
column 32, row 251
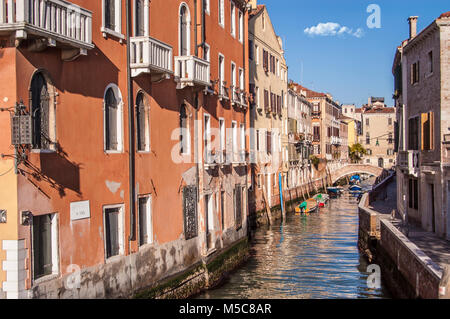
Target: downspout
column 131, row 168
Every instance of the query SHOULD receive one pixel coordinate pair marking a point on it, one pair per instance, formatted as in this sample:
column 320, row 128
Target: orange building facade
column 119, row 170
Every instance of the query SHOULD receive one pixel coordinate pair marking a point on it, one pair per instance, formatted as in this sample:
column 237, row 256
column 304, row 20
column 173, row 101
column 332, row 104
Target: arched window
column 113, row 119
column 142, row 123
column 184, row 30
column 42, row 113
column 184, row 131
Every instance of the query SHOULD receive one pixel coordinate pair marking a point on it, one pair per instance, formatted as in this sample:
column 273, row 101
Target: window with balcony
column 112, row 18
column 184, row 131
column 142, row 123
column 113, row 106
column 139, row 21
column 413, row 134
column 42, row 112
column 184, row 31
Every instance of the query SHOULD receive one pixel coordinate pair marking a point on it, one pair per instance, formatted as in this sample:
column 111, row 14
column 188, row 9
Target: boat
column 355, row 179
column 307, row 207
column 355, row 188
column 335, row 191
column 322, row 199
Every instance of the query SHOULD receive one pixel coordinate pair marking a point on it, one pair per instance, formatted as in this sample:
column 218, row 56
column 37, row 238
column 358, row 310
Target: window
column 184, row 31
column 430, row 62
column 142, row 124
column 251, row 48
column 415, row 69
column 257, row 97
column 390, row 121
column 207, row 137
column 190, row 212
column 242, row 131
column 42, row 113
column 222, row 137
column 316, row 133
column 367, row 121
column 413, row 194
column 266, row 60
column 234, row 137
column 390, row 152
column 45, row 245
column 413, row 134
column 257, row 54
column 112, row 17
column 140, row 15
column 233, row 18
column 222, row 208
column 369, row 152
column 206, row 53
column 269, row 142
column 221, row 13
column 113, row 106
column 266, row 101
column 184, row 131
column 241, row 80
column 237, row 195
column 257, row 140
column 368, row 139
column 113, row 224
column 145, row 221
column 241, row 26
column 221, row 72
column 207, row 6
column 427, row 124
column 233, row 75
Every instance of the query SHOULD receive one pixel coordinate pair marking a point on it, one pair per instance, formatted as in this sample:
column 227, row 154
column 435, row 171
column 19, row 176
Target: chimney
column 254, row 4
column 412, row 27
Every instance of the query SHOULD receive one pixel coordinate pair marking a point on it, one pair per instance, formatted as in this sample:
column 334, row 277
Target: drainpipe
column 131, row 185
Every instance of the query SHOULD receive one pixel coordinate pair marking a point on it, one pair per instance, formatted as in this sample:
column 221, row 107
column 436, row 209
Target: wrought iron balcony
column 150, row 56
column 50, row 22
column 191, row 71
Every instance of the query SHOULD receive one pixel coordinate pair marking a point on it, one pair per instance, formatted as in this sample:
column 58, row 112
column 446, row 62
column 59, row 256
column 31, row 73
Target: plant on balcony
column 356, row 152
column 315, row 161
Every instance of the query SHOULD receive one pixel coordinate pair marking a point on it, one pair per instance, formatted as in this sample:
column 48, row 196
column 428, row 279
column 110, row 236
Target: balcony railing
column 223, row 91
column 191, row 71
column 151, row 56
column 59, row 21
column 235, row 96
column 409, row 161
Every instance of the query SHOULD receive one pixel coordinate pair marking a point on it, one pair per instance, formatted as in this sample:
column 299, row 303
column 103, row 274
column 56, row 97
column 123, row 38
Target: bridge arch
column 355, row 169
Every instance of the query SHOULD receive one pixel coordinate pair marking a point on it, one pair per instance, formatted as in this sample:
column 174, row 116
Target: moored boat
column 322, row 199
column 307, row 207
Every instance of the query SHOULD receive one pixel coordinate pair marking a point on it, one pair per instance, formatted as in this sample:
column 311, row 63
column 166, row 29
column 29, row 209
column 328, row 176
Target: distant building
column 421, row 71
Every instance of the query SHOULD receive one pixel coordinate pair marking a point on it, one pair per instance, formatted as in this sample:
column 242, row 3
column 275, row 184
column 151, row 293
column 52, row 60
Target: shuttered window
column 142, row 124
column 427, row 121
column 413, row 134
column 269, row 142
column 266, row 101
column 111, row 120
column 266, row 60
column 112, row 232
column 40, row 103
column 42, row 246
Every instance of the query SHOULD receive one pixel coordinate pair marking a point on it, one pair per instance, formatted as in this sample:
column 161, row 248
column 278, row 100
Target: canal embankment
column 412, row 261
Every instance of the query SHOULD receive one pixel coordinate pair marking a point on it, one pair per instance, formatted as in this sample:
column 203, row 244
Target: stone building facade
column 268, row 116
column 422, row 92
column 112, row 183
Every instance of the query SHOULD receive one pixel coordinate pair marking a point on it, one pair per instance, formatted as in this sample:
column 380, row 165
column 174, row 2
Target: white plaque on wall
column 79, row 210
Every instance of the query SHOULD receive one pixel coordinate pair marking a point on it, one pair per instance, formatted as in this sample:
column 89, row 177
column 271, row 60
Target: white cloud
column 332, row 29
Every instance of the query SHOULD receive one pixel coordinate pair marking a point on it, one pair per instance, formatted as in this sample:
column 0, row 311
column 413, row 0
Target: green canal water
column 313, row 257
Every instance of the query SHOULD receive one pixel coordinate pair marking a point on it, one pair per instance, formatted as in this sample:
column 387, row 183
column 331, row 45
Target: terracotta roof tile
column 445, row 15
column 381, row 110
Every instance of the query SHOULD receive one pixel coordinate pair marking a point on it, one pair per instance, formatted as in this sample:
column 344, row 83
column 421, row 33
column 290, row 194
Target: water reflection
column 305, row 257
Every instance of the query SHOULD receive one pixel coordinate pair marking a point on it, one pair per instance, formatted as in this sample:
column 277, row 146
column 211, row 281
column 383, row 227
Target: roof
column 309, row 93
column 258, row 9
column 383, row 110
column 445, row 15
column 358, row 110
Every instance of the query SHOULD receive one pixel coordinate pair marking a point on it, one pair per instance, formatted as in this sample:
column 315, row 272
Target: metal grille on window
column 40, row 101
column 190, row 212
column 141, row 116
column 111, row 109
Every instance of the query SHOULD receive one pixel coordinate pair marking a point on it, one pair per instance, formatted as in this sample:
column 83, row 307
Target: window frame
column 117, row 32
column 120, row 231
column 149, row 221
column 120, row 125
column 54, row 241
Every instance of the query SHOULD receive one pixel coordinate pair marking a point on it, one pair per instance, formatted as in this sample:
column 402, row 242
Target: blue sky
column 355, row 64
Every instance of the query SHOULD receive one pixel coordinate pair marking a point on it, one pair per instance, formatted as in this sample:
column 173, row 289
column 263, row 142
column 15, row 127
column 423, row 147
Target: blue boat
column 355, row 188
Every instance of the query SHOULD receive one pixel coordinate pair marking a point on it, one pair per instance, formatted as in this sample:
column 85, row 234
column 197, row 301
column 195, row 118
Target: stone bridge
column 355, row 169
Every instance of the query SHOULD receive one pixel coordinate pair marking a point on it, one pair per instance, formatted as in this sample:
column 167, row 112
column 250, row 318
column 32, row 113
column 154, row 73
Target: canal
column 312, row 257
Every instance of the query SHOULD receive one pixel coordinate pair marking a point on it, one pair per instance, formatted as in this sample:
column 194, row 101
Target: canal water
column 314, row 257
